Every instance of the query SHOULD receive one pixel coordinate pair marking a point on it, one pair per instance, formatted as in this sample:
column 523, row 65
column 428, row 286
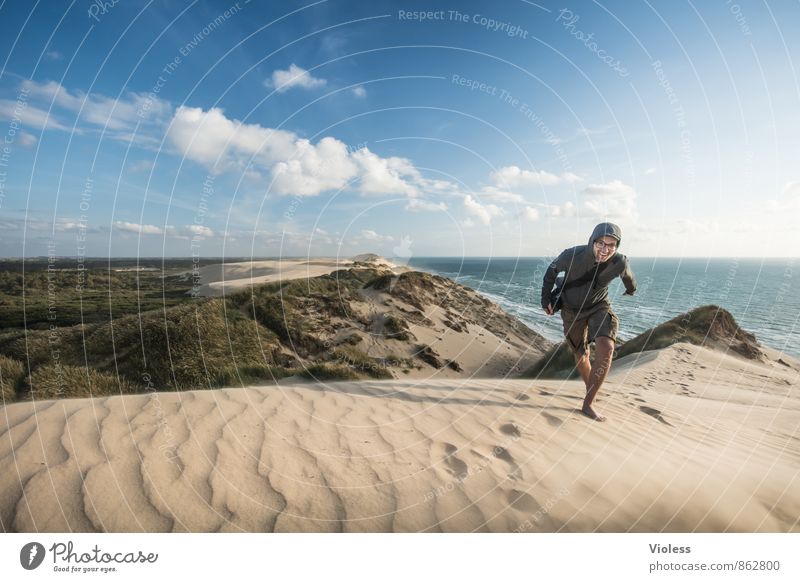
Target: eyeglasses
column 604, row 245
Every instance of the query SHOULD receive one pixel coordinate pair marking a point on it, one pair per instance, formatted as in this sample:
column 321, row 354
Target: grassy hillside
column 63, row 293
column 709, row 326
column 350, row 324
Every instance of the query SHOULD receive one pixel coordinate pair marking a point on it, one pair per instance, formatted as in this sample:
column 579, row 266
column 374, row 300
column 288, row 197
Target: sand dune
column 230, row 277
column 696, row 441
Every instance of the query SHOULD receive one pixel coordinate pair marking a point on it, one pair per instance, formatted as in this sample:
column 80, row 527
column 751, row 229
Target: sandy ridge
column 697, row 441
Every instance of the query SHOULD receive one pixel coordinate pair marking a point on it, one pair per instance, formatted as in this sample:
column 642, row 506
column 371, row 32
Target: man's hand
column 549, row 309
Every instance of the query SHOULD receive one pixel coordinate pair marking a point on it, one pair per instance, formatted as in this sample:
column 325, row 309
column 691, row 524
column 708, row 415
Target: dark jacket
column 577, row 261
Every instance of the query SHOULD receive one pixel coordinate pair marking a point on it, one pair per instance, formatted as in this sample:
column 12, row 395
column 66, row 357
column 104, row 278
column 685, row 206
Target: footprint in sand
column 640, row 400
column 654, row 413
column 521, row 501
column 503, row 454
column 446, row 454
column 552, row 420
column 522, row 397
column 510, row 429
column 545, row 393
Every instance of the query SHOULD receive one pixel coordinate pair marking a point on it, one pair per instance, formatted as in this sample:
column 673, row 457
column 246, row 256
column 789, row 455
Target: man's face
column 604, row 248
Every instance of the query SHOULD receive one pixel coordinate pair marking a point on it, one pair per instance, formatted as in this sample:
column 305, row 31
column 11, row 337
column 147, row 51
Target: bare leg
column 602, row 363
column 584, row 369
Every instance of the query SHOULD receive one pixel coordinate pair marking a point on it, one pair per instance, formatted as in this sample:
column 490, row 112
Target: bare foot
column 589, row 411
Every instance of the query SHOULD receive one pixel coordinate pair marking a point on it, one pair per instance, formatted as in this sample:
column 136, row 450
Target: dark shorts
column 582, row 327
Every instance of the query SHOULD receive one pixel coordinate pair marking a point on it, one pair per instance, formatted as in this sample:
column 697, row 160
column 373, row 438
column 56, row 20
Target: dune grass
column 12, row 377
column 252, row 336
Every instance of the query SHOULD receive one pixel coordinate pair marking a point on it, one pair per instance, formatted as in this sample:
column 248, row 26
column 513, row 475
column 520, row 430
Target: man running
column 585, row 306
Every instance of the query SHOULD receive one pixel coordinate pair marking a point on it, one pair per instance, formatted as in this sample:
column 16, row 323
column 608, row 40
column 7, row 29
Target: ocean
column 761, row 294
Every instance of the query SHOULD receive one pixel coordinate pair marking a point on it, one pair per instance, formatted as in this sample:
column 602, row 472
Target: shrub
column 429, row 356
column 360, row 363
column 57, row 381
column 329, row 372
column 12, row 376
column 558, row 362
column 249, row 374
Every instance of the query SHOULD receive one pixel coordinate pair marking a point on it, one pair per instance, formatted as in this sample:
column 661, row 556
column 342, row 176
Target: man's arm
column 628, row 279
column 558, row 265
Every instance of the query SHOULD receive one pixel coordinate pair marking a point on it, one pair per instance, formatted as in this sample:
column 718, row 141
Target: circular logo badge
column 31, row 555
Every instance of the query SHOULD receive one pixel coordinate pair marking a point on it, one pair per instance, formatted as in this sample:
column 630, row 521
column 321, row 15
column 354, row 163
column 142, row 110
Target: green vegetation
column 12, row 376
column 557, row 363
column 101, row 331
column 107, row 329
column 67, row 293
column 329, row 372
column 396, row 328
column 57, row 381
column 429, row 356
column 710, row 326
column 360, row 362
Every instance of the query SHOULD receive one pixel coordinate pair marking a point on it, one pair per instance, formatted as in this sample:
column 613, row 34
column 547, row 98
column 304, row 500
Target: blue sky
column 401, row 128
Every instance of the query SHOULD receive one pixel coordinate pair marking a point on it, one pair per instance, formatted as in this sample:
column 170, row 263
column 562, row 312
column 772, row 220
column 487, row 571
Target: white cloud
column 185, row 232
column 385, row 175
column 213, row 140
column 745, row 226
column 30, row 116
column 373, row 236
column 199, row 230
column 559, row 210
column 515, row 177
column 689, row 226
column 322, row 236
column 298, row 166
column 66, row 224
column 530, row 213
column 613, row 188
column 792, row 189
column 137, row 228
column 140, row 166
column 100, row 110
column 467, row 223
column 295, row 76
column 62, row 224
column 650, row 171
column 483, row 212
column 359, row 91
column 499, row 195
column 418, row 205
column 27, row 140
column 614, row 199
column 53, row 56
column 314, row 168
column 788, row 201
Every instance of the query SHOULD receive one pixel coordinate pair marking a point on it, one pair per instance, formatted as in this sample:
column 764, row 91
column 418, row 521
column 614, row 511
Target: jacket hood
column 606, row 229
